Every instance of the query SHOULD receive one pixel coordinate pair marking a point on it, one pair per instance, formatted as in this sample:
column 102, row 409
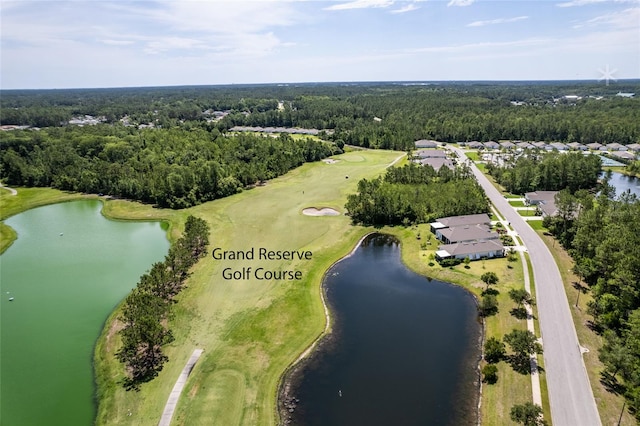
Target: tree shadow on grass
column 521, row 313
column 611, row 384
column 490, row 292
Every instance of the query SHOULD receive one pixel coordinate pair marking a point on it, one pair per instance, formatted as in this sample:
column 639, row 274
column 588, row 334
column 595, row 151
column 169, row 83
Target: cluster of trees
column 603, row 239
column 174, row 168
column 147, row 309
column 549, row 172
column 416, row 194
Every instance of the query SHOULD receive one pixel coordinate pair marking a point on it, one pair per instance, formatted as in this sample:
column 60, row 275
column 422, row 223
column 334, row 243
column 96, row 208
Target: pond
column 66, row 272
column 404, row 349
column 624, row 183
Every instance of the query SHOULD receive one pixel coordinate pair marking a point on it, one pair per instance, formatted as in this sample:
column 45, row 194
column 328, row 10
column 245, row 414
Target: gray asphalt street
column 570, row 395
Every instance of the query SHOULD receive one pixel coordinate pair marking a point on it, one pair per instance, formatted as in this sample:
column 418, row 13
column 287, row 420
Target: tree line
column 416, row 194
column 376, row 115
column 602, row 237
column 174, row 168
column 548, row 172
column 147, row 309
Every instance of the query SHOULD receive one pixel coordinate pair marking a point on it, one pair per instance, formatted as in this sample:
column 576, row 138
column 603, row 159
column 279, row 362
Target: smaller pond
column 404, row 349
column 624, row 183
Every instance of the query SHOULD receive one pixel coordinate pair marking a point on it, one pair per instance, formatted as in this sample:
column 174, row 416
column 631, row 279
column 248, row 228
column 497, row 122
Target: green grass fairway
column 250, row 330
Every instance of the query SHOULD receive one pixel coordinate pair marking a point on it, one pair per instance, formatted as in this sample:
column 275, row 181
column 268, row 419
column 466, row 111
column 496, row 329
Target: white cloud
column 497, row 21
column 573, row 3
column 408, row 8
column 361, row 4
column 629, row 18
column 461, row 2
column 118, row 42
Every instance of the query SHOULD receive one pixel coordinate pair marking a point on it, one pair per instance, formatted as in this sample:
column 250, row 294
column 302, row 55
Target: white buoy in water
column 11, row 299
column 340, row 393
column 61, row 234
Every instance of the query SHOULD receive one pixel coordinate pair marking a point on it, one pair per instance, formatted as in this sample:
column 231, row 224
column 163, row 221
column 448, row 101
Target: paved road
column 570, row 395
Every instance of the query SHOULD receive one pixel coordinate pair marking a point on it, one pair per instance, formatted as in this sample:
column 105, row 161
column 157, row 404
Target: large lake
column 67, row 271
column 404, row 349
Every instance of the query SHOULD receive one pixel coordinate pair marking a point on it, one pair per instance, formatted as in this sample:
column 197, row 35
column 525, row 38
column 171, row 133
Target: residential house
column 453, row 221
column 507, row 145
column 466, row 233
column 616, row 147
column 577, row 146
column 423, row 143
column 594, row 146
column 436, row 162
column 473, row 250
column 625, row 155
column 475, row 145
column 634, row 147
column 524, row 145
column 539, row 145
column 544, row 200
column 492, row 145
column 430, row 153
column 559, row 146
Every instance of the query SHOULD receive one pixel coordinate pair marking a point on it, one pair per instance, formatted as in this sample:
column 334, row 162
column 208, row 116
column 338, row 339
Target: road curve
column 570, row 395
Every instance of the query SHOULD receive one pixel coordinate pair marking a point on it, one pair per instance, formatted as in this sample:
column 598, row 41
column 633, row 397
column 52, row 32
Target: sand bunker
column 330, row 161
column 325, row 211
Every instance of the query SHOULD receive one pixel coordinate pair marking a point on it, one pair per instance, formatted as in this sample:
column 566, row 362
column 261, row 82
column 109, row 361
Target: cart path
column 174, row 396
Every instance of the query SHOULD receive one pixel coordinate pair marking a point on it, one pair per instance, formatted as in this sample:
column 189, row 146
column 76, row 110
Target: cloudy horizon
column 73, row 44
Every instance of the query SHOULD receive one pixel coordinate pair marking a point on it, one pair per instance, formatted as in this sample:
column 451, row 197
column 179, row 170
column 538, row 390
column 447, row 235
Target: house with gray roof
column 452, row 221
column 491, row 145
column 544, row 200
column 430, row 153
column 524, row 145
column 625, row 155
column 507, row 145
column 424, row 143
column 616, row 147
column 559, row 146
column 634, row 147
column 475, row 145
column 436, row 163
column 594, row 146
column 473, row 250
column 539, row 145
column 577, row 146
column 466, row 233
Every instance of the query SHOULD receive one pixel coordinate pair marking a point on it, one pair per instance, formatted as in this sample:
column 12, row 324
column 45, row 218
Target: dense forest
column 377, row 115
column 601, row 234
column 416, row 194
column 548, row 172
column 174, row 167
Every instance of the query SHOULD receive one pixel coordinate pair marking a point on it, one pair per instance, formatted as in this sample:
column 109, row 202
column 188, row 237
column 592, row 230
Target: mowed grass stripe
column 250, row 330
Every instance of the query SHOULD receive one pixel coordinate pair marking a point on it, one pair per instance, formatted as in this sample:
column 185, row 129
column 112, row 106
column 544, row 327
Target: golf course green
column 249, row 327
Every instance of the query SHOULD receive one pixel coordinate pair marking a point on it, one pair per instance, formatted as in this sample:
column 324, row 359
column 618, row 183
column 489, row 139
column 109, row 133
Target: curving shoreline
column 294, row 384
column 283, row 397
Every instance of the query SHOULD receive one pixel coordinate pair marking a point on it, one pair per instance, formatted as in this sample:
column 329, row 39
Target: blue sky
column 64, row 44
